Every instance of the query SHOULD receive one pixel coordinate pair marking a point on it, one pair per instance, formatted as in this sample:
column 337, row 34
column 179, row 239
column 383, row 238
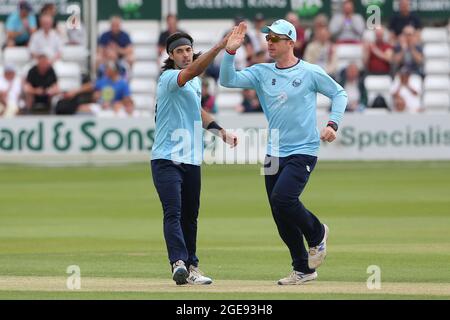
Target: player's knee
column 280, row 201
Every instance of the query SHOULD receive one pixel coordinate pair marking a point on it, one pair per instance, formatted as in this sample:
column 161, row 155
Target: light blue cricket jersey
column 288, row 98
column 179, row 131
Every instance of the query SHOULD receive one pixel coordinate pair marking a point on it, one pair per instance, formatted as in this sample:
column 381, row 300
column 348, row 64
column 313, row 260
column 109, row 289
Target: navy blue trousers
column 178, row 187
column 293, row 220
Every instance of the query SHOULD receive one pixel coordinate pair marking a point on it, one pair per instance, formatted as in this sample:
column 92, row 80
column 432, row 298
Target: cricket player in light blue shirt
column 287, row 90
column 178, row 152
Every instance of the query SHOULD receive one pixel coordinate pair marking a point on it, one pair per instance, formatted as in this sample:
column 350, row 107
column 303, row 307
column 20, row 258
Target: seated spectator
column 118, row 40
column 409, row 52
column 406, row 94
column 10, row 91
column 352, row 80
column 20, row 25
column 51, row 10
column 260, row 57
column 172, row 27
column 41, row 86
column 258, row 38
column 112, row 92
column 48, row 39
column 250, row 102
column 322, row 52
column 347, row 27
column 77, row 100
column 111, row 55
column 299, row 47
column 319, row 22
column 208, row 101
column 402, row 19
column 378, row 55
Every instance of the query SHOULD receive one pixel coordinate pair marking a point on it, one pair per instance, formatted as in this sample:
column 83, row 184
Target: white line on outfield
column 58, row 284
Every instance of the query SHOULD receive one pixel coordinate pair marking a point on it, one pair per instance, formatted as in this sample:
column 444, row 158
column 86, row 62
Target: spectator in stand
column 406, row 94
column 257, row 37
column 322, row 52
column 41, row 86
column 112, row 92
column 378, row 55
column 409, row 52
column 51, row 10
column 250, row 102
column 347, row 27
column 46, row 39
column 10, row 91
column 260, row 57
column 20, row 25
column 77, row 100
column 111, row 55
column 208, row 100
column 352, row 80
column 300, row 44
column 402, row 19
column 319, row 22
column 118, row 40
column 172, row 27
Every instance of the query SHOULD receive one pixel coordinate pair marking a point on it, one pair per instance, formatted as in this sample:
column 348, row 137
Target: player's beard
column 184, row 64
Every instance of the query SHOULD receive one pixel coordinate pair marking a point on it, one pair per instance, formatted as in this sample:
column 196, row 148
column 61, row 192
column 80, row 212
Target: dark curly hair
column 169, row 63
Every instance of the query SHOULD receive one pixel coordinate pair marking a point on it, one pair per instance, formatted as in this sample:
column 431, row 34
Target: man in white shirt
column 406, row 93
column 46, row 39
column 10, row 90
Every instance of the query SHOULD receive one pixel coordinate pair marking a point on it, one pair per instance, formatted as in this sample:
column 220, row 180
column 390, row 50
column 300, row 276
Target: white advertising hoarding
column 96, row 140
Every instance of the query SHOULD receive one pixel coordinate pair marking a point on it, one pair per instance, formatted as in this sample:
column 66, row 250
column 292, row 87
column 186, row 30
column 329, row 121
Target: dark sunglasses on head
column 275, row 39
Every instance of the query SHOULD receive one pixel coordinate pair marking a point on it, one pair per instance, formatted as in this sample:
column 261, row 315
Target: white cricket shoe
column 180, row 273
column 296, row 278
column 317, row 254
column 197, row 277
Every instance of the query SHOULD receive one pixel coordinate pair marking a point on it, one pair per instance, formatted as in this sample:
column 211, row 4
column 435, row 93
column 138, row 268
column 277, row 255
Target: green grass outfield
column 108, row 221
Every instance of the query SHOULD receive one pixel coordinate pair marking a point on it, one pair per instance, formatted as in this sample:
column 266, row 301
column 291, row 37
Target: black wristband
column 214, row 126
column 333, row 125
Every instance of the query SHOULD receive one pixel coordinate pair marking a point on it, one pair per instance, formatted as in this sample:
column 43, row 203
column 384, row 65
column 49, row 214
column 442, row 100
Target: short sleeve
column 103, row 41
column 169, row 79
column 126, row 39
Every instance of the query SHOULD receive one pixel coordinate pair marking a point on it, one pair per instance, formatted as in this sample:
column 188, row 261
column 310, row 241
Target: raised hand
column 237, row 37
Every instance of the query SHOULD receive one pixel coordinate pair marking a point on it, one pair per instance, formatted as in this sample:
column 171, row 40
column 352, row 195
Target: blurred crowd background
column 48, row 67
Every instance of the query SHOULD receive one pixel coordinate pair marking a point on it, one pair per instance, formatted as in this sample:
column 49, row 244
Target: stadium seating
column 437, row 101
column 76, row 54
column 437, row 51
column 139, row 85
column 378, row 85
column 69, row 75
column 17, row 56
column 148, row 70
column 437, row 66
column 434, row 35
column 347, row 53
column 228, row 101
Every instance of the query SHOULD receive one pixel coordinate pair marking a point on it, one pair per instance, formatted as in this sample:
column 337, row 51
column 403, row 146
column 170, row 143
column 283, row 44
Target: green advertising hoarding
column 130, row 9
column 426, row 9
column 64, row 7
column 272, row 9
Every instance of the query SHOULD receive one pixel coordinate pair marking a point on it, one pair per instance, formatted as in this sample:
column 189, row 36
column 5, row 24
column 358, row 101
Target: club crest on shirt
column 296, row 83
